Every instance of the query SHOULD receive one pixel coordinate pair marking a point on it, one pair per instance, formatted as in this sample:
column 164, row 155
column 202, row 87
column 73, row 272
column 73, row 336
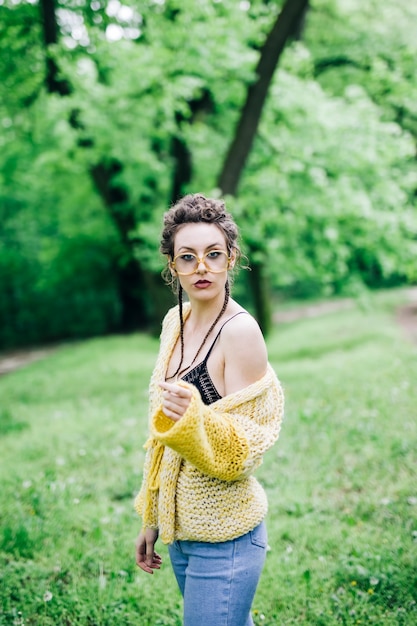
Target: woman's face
column 195, row 242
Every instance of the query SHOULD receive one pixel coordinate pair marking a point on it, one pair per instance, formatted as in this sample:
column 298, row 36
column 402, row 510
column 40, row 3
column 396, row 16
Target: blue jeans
column 218, row 580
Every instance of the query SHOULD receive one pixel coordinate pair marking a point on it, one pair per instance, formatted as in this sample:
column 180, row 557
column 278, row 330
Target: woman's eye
column 187, row 257
column 213, row 254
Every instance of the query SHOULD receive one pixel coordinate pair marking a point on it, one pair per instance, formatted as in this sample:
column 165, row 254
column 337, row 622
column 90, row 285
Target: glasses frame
column 201, row 260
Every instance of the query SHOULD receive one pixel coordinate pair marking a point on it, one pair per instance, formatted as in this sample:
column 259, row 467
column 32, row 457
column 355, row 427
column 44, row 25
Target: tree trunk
column 53, row 82
column 137, row 308
column 182, row 169
column 199, row 107
column 140, row 293
column 261, row 295
column 286, row 25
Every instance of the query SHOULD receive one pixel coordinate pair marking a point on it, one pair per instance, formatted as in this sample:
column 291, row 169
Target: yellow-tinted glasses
column 215, row 261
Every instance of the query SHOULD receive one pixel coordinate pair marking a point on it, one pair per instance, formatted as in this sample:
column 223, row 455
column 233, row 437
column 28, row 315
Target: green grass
column 341, row 481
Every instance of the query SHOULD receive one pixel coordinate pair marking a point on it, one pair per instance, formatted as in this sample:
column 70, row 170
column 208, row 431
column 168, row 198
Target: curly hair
column 195, row 208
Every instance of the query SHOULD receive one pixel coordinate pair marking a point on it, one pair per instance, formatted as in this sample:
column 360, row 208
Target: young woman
column 215, row 407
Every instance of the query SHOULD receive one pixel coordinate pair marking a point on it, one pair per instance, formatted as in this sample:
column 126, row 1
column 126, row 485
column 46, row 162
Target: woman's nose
column 201, row 268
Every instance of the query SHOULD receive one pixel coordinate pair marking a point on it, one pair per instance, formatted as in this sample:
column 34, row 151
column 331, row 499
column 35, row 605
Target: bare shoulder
column 239, row 322
column 245, row 351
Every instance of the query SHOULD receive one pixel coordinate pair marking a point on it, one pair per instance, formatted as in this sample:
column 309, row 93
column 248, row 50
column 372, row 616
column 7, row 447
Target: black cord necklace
column 180, row 371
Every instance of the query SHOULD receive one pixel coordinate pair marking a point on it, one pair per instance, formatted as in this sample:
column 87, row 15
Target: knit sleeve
column 223, row 443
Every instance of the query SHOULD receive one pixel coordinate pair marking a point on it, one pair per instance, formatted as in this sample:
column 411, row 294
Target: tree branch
column 285, row 25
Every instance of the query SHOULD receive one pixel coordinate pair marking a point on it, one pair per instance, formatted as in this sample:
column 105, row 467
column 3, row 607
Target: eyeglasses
column 215, row 261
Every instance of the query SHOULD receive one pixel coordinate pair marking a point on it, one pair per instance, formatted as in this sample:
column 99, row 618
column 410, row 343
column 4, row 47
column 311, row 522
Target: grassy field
column 341, row 481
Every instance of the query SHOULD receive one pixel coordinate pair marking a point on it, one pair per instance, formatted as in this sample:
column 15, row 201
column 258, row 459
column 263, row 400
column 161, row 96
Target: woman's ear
column 171, row 267
column 232, row 259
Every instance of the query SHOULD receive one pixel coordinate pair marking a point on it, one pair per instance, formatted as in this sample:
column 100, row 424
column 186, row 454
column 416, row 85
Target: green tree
column 112, row 110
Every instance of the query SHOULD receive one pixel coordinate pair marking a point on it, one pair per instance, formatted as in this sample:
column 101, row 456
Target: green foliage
column 323, row 215
column 21, row 79
column 327, row 200
column 342, row 520
column 57, row 264
column 370, row 45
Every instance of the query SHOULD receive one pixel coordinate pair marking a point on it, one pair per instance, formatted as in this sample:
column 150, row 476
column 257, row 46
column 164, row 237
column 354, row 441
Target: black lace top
column 200, row 377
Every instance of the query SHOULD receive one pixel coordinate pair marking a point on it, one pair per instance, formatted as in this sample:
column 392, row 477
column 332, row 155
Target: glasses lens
column 215, row 261
column 186, row 263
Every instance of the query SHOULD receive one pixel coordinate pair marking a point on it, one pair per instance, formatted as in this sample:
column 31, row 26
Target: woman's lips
column 202, row 284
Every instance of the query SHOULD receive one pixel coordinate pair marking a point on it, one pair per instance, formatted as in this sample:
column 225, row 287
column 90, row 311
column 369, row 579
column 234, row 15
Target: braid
column 223, row 309
column 180, row 291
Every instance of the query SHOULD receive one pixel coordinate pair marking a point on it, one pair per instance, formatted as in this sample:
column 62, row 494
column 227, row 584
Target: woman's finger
column 175, row 389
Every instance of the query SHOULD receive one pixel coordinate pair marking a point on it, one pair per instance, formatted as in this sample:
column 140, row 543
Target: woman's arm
column 227, row 439
column 245, row 361
column 245, row 354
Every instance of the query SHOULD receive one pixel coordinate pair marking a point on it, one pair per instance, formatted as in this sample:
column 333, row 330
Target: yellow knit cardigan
column 197, row 480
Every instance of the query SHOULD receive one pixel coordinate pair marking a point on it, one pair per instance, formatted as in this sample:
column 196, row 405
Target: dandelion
column 47, row 596
column 19, row 619
column 371, row 592
column 353, row 583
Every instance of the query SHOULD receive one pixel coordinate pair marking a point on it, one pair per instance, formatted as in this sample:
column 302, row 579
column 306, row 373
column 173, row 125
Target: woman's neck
column 202, row 314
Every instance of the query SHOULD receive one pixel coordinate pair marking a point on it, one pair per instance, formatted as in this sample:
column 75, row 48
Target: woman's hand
column 146, row 557
column 175, row 400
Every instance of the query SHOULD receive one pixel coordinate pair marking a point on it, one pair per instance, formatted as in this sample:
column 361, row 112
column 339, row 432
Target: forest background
column 302, row 114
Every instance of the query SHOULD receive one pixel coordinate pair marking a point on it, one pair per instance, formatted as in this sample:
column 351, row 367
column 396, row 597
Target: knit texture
column 197, row 482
